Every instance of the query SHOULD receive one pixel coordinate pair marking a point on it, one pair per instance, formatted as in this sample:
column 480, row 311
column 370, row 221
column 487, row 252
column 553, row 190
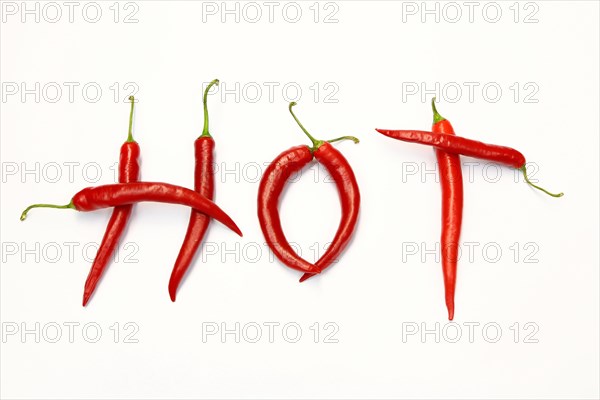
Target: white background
column 377, row 291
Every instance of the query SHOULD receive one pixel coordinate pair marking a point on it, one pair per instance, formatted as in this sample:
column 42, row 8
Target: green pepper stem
column 24, row 213
column 205, row 132
column 354, row 139
column 436, row 115
column 130, row 134
column 524, row 169
column 316, row 143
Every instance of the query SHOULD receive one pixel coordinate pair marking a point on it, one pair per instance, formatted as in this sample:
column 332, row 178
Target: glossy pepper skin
column 349, row 195
column 273, row 182
column 460, row 145
column 129, row 171
column 269, row 193
column 451, row 143
column 452, row 209
column 204, row 184
column 118, row 194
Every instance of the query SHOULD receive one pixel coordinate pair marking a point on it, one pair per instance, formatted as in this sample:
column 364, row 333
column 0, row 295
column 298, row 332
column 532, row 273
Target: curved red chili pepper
column 204, row 183
column 129, row 171
column 273, row 182
column 269, row 191
column 118, row 194
column 452, row 206
column 349, row 194
column 466, row 147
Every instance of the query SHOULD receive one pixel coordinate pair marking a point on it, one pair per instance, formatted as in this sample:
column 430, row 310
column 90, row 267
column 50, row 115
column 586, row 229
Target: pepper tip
column 450, row 312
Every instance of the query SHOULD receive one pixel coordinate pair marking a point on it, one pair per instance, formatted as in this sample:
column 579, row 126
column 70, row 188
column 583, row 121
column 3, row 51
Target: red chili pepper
column 118, row 194
column 345, row 181
column 452, row 205
column 269, row 191
column 273, row 183
column 466, row 147
column 204, row 184
column 129, row 171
